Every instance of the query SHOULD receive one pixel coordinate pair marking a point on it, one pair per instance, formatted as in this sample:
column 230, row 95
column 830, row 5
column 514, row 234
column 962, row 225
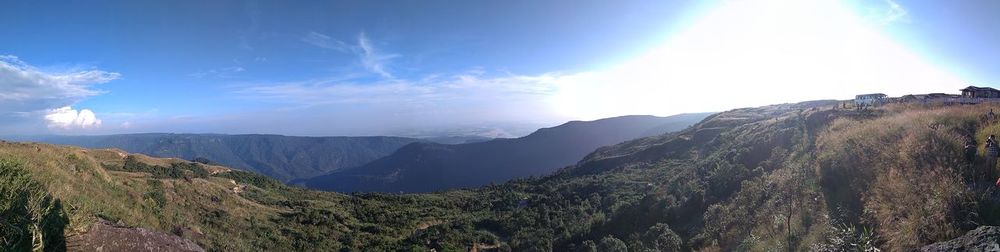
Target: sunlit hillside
column 805, row 176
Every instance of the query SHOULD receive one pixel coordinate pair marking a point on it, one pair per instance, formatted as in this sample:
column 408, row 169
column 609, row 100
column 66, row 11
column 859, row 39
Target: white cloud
column 69, row 118
column 30, row 96
column 371, row 58
column 26, row 89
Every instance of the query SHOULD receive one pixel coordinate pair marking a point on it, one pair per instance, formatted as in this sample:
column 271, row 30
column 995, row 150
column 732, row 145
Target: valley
column 427, row 167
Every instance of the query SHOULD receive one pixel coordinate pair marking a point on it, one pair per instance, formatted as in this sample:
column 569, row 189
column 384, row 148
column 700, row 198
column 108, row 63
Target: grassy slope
column 281, row 157
column 799, row 175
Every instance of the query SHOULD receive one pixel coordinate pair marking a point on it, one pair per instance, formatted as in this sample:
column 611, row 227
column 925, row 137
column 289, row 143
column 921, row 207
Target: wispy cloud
column 370, row 57
column 373, row 59
column 432, row 89
column 326, row 42
column 894, row 12
column 252, row 11
column 396, row 104
column 28, row 91
column 883, row 12
column 225, row 72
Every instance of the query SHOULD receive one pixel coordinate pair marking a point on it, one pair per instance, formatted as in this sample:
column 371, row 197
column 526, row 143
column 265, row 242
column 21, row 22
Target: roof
column 866, row 95
column 975, row 88
column 931, row 95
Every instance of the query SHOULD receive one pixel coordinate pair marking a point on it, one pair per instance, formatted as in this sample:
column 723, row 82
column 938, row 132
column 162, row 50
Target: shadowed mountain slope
column 424, row 167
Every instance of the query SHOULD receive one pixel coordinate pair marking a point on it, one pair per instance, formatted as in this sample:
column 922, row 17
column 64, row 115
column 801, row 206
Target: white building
column 865, row 100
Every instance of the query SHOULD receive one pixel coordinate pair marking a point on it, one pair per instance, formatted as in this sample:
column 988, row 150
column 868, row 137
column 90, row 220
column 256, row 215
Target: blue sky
column 398, row 67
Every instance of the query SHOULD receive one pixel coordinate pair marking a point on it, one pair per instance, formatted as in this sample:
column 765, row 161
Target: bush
column 250, row 178
column 155, row 193
column 175, row 171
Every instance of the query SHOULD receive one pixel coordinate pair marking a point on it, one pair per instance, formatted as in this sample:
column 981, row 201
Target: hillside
column 281, row 157
column 793, row 176
column 425, row 167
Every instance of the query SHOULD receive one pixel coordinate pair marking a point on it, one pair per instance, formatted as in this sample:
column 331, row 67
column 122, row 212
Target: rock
column 106, row 236
column 984, row 238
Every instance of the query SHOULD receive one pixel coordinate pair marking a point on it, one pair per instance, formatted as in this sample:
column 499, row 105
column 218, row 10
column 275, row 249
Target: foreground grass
column 29, row 218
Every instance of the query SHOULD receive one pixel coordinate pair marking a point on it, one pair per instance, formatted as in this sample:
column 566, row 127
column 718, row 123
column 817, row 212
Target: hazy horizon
column 350, row 68
column 500, row 130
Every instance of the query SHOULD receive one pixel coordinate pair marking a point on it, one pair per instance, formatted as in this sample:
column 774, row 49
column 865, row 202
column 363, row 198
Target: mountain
column 280, row 157
column 782, row 177
column 424, row 167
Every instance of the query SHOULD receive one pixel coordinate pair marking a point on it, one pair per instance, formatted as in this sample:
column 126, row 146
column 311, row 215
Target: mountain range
column 298, row 159
column 425, row 167
column 281, row 157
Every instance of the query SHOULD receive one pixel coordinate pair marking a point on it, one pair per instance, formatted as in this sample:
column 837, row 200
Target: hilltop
column 792, row 176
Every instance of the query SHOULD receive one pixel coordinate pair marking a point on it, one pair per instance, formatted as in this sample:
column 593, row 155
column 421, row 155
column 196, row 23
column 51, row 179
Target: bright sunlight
column 752, row 53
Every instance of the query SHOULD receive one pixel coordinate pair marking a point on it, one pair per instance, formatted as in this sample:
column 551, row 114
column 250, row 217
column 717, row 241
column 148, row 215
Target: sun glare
column 751, row 53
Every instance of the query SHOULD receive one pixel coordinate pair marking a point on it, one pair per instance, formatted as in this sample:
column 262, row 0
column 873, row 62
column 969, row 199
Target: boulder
column 106, row 236
column 984, row 238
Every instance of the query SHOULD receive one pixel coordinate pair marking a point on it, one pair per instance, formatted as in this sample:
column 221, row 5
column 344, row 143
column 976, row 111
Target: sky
column 321, row 68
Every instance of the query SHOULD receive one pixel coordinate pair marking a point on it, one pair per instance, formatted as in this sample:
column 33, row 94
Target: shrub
column 155, row 193
column 175, row 171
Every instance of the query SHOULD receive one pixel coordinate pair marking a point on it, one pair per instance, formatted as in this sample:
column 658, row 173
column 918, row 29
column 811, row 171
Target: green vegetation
column 783, row 177
column 175, row 171
column 29, row 218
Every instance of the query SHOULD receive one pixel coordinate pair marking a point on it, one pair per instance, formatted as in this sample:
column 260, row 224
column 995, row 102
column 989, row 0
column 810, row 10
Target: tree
column 662, row 238
column 612, row 244
column 588, row 246
column 636, row 244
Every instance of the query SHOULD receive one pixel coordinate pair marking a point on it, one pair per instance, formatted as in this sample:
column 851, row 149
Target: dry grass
column 904, row 172
column 88, row 191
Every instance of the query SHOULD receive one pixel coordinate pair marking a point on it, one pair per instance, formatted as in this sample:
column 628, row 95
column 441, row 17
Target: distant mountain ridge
column 280, row 157
column 423, row 167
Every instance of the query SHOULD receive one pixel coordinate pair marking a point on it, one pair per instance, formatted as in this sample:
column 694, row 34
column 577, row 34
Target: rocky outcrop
column 106, row 236
column 985, row 238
